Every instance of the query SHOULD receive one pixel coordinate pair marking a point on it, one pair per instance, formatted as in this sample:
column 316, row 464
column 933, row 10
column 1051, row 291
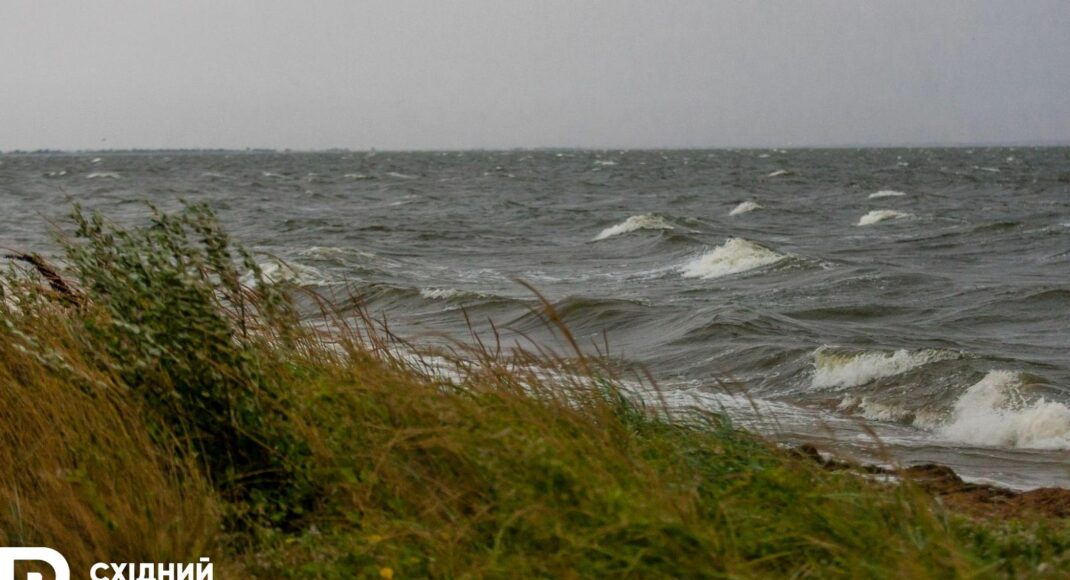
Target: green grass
column 170, row 412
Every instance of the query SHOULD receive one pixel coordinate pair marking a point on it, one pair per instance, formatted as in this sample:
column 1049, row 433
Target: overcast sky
column 447, row 74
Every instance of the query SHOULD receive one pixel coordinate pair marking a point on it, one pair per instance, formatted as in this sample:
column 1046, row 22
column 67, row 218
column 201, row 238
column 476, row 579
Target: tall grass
column 179, row 408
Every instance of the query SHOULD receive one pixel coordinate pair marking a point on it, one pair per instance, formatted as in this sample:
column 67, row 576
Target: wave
column 450, row 294
column 994, row 412
column 334, row 253
column 780, row 172
column 891, row 413
column 646, row 221
column 733, row 257
column 879, row 215
column 103, row 175
column 278, row 271
column 886, row 193
column 839, row 370
column 745, row 207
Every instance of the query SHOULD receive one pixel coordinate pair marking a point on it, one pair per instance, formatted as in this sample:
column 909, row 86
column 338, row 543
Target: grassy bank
column 166, row 404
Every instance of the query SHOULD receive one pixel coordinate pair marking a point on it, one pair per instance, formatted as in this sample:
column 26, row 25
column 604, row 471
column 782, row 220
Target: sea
column 891, row 305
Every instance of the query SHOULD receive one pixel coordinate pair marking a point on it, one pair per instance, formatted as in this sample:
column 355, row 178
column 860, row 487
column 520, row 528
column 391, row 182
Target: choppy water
column 921, row 294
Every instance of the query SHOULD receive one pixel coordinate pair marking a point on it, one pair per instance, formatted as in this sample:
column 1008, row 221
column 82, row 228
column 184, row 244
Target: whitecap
column 103, row 175
column 734, row 256
column 780, row 172
column 838, row 370
column 278, row 271
column 886, row 193
column 646, row 221
column 400, row 175
column 443, row 293
column 745, row 207
column 333, row 253
column 880, row 215
column 994, row 412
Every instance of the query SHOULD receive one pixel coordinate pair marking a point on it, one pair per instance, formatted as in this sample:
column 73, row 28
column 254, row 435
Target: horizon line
column 930, row 145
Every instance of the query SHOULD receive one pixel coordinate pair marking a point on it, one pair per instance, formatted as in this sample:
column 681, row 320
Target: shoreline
column 976, row 500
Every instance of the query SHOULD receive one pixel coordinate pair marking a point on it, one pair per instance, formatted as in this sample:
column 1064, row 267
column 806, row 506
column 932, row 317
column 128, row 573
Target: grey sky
column 404, row 74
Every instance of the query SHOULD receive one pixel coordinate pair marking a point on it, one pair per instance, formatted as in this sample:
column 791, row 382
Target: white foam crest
column 994, row 412
column 276, row 271
column 334, row 253
column 879, row 215
column 886, row 193
column 779, row 172
column 646, row 221
column 877, row 411
column 103, row 175
column 440, row 293
column 745, row 207
column 833, row 370
column 734, row 256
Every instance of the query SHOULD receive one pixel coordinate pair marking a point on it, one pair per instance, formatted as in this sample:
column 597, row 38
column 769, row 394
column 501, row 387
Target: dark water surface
column 934, row 313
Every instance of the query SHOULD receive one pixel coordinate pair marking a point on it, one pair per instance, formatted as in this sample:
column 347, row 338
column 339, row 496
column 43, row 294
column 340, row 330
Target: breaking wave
column 879, row 215
column 839, row 370
column 278, row 271
column 886, row 193
column 734, row 256
column 745, row 207
column 646, row 221
column 449, row 294
column 995, row 412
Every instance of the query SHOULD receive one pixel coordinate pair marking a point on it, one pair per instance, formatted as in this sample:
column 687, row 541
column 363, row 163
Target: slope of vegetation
column 166, row 403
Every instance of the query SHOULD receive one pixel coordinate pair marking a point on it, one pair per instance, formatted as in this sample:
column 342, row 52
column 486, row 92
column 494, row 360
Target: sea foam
column 879, row 215
column 886, row 193
column 994, row 412
column 734, row 256
column 440, row 293
column 745, row 207
column 278, row 271
column 646, row 221
column 837, row 370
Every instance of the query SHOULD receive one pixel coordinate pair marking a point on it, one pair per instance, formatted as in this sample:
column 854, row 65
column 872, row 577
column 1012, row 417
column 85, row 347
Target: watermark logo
column 9, row 556
column 202, row 569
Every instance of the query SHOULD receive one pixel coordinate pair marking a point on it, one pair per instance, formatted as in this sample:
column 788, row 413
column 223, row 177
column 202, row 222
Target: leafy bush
column 176, row 324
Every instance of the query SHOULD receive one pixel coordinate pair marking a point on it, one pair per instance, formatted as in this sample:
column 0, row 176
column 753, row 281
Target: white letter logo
column 8, row 557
